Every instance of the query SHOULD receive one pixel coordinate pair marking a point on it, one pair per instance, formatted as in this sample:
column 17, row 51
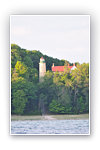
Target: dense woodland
column 59, row 93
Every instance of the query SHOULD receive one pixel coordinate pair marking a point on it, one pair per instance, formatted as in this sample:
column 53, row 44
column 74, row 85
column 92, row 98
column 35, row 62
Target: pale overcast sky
column 62, row 37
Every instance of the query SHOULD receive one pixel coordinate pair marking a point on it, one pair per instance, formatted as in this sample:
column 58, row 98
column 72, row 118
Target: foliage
column 20, row 68
column 19, row 101
column 59, row 93
column 56, row 107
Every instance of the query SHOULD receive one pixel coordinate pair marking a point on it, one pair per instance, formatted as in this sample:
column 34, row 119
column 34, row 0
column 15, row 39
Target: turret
column 42, row 69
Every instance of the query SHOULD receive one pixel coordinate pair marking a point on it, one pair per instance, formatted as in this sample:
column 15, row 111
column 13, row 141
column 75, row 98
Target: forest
column 59, row 93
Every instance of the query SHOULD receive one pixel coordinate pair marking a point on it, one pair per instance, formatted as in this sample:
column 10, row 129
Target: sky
column 59, row 36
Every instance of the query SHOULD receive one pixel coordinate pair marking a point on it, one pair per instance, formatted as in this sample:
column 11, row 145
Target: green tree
column 80, row 80
column 28, row 61
column 56, row 107
column 19, row 101
column 32, row 100
column 64, row 92
column 33, row 75
column 45, row 92
column 21, row 69
column 42, row 103
column 30, row 91
column 14, row 57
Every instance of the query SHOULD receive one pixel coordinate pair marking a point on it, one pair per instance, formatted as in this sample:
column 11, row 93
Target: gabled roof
column 62, row 68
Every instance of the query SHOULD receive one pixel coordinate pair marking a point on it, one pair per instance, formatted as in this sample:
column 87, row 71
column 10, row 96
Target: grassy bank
column 81, row 116
column 50, row 117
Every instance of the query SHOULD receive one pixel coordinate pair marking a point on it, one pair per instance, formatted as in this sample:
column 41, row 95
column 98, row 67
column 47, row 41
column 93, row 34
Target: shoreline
column 49, row 117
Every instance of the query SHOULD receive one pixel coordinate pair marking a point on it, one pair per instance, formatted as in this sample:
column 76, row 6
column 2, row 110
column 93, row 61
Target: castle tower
column 42, row 69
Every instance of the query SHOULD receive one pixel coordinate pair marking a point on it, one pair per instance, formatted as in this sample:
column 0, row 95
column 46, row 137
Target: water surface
column 50, row 127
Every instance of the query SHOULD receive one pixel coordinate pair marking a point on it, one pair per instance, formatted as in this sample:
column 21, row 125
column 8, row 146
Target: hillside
column 32, row 58
column 66, row 93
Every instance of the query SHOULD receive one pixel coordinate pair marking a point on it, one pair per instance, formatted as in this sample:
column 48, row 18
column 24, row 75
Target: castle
column 42, row 68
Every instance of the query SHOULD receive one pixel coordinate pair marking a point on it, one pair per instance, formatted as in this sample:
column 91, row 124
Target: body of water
column 50, row 127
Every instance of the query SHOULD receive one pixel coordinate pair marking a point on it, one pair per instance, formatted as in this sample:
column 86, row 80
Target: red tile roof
column 60, row 68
